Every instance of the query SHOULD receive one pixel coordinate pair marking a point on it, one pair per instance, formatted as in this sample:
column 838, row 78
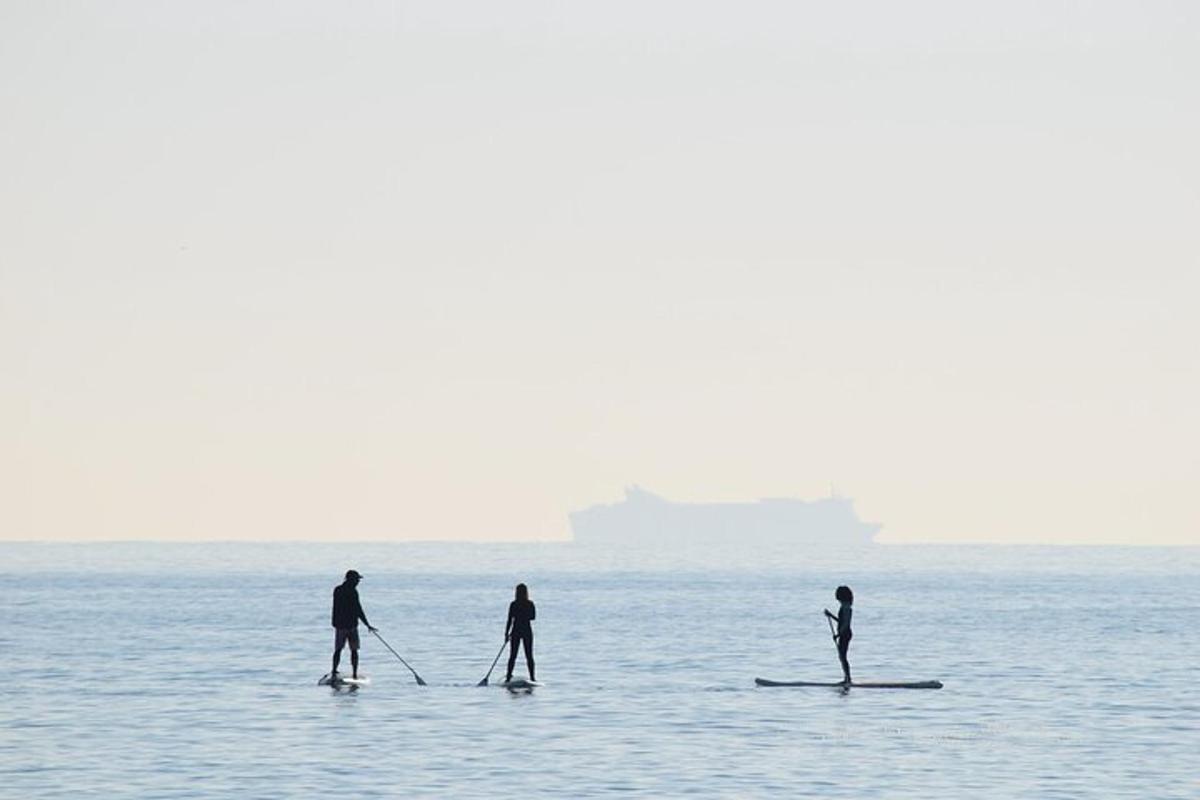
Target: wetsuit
column 520, row 614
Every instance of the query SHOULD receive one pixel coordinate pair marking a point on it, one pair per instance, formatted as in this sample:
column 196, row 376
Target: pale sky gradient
column 376, row 270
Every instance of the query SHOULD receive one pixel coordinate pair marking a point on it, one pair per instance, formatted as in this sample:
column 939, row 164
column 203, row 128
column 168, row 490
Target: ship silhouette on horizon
column 646, row 517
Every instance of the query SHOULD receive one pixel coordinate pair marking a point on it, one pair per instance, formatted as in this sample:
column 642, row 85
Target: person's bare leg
column 843, row 649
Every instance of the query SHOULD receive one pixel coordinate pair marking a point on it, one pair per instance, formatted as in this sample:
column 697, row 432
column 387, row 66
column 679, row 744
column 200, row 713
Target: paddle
column 495, row 661
column 402, row 661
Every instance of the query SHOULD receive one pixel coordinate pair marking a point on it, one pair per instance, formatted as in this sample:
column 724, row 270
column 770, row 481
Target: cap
column 350, row 573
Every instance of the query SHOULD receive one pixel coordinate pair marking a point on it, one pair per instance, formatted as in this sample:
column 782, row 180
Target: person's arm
column 834, row 617
column 509, row 622
column 843, row 621
column 532, row 612
column 362, row 614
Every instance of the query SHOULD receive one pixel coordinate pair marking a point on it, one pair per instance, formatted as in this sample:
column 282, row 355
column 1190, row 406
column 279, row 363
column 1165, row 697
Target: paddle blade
column 420, row 681
column 482, row 683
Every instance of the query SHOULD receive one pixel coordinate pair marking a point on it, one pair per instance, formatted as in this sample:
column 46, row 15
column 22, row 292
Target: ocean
column 140, row 670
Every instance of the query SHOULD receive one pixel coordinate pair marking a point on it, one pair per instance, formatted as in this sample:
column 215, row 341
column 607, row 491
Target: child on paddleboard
column 845, row 598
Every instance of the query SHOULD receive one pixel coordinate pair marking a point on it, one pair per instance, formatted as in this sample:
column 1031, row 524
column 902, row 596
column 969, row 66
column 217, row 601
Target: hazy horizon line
column 345, row 542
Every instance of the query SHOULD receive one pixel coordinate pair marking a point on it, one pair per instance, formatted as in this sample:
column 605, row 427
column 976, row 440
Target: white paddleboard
column 856, row 684
column 344, row 680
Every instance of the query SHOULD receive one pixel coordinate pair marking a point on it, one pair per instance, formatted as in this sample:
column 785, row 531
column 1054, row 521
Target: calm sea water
column 173, row 671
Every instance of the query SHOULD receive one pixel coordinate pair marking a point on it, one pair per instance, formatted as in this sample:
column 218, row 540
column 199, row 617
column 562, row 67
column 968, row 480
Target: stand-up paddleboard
column 856, row 684
column 342, row 680
column 520, row 683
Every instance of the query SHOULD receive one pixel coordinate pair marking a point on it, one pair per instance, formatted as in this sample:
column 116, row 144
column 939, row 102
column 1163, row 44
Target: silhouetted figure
column 845, row 598
column 518, row 630
column 347, row 611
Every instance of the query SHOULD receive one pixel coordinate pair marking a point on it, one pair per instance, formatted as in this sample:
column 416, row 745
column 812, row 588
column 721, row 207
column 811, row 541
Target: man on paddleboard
column 347, row 611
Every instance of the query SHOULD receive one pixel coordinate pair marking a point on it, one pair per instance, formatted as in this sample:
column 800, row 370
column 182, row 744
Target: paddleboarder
column 845, row 598
column 347, row 611
column 518, row 630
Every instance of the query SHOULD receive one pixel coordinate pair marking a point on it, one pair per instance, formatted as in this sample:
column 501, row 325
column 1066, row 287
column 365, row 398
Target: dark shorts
column 345, row 635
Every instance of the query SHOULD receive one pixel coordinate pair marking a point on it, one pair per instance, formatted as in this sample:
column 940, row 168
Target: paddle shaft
column 495, row 661
column 833, row 633
column 420, row 682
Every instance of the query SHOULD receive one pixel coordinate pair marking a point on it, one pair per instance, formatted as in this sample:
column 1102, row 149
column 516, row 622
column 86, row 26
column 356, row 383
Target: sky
column 450, row 270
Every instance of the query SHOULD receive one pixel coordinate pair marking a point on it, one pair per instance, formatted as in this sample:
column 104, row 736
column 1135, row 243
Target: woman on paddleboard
column 518, row 630
column 845, row 598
